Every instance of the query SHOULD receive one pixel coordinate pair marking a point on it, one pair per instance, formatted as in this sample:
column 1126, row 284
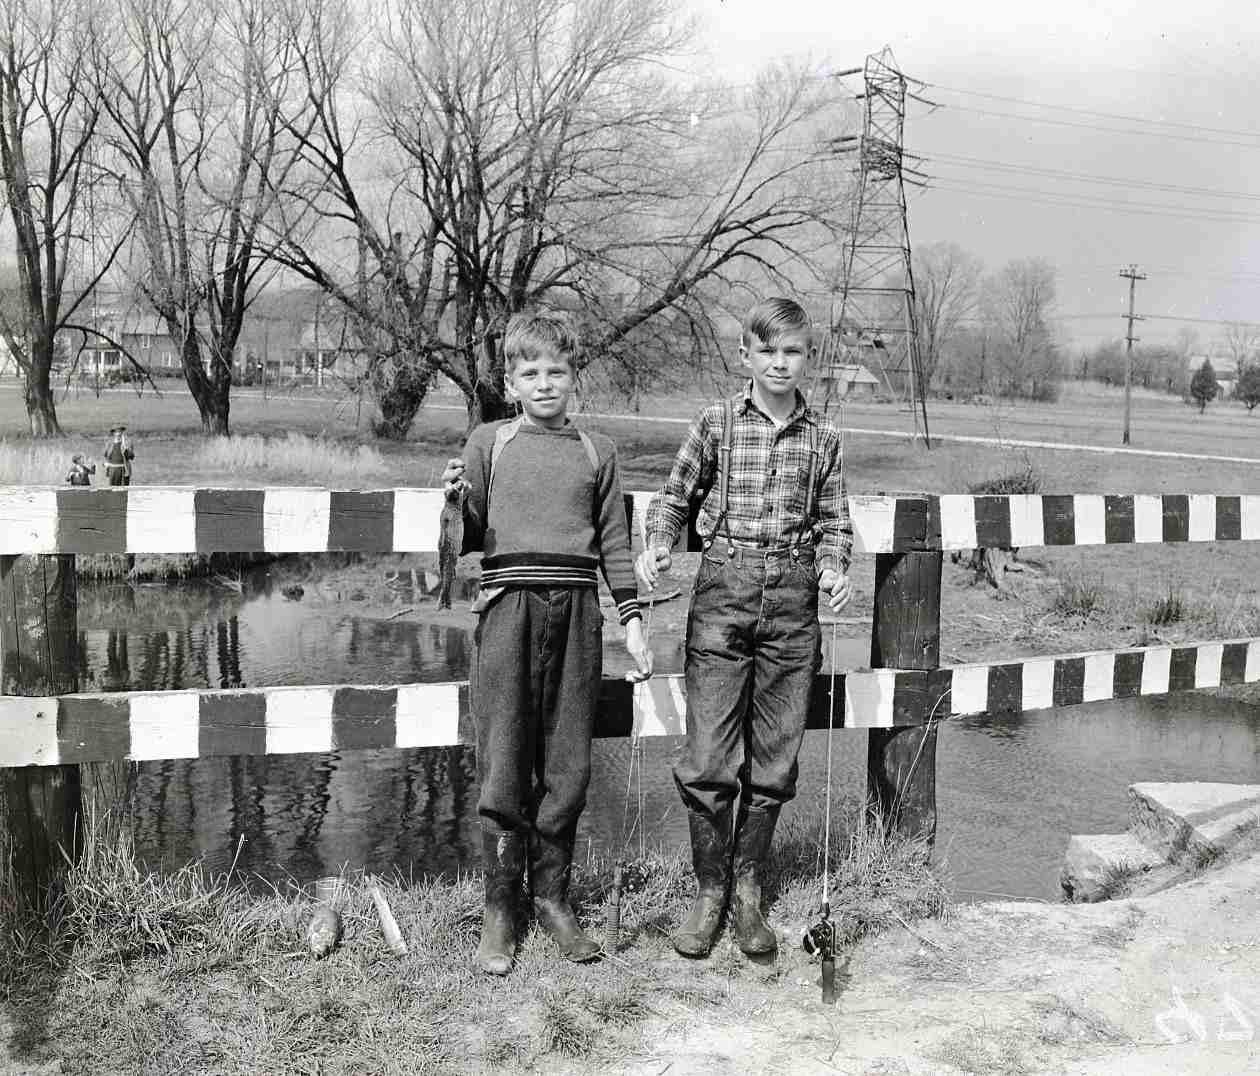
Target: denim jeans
column 753, row 649
column 533, row 688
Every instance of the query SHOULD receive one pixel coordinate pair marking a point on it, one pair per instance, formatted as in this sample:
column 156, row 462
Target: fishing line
column 634, row 769
column 820, row 938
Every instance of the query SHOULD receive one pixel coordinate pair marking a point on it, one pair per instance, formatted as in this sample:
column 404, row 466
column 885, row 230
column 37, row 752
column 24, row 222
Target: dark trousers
column 534, row 686
column 118, row 477
column 753, row 649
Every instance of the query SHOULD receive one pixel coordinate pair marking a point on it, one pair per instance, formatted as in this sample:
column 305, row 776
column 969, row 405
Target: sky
column 1096, row 135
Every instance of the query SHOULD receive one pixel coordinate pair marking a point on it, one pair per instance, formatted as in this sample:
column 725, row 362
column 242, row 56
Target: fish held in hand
column 450, row 540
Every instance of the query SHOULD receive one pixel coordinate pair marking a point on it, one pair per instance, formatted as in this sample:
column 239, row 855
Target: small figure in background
column 118, row 457
column 81, row 471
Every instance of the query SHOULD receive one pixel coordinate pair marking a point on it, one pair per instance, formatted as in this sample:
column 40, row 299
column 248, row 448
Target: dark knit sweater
column 552, row 519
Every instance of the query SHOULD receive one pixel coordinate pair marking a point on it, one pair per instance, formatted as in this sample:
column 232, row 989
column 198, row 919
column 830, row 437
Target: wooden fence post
column 905, row 634
column 39, row 655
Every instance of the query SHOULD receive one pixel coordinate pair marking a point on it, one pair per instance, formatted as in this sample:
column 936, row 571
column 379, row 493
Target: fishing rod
column 820, row 938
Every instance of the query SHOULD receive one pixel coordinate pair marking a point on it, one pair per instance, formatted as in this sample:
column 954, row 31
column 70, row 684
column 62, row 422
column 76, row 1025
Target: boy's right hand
column 650, row 563
column 453, row 474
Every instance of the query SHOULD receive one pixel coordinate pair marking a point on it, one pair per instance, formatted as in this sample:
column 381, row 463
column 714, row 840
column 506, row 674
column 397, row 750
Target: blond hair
column 530, row 334
column 771, row 318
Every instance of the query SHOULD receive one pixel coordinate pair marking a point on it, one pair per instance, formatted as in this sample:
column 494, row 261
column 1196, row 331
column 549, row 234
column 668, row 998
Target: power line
column 1106, row 130
column 1086, row 177
column 1096, row 112
column 1069, row 201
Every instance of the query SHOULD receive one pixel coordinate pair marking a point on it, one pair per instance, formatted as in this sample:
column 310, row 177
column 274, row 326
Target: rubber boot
column 752, row 844
column 503, row 859
column 711, row 860
column 550, row 863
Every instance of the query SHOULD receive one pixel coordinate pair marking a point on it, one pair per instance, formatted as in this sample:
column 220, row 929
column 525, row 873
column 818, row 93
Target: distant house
column 327, row 347
column 850, row 379
column 139, row 333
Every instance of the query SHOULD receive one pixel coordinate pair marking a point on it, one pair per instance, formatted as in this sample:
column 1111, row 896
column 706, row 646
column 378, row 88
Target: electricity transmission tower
column 877, row 323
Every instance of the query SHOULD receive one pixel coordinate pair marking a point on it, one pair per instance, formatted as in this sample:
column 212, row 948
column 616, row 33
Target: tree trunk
column 488, row 403
column 41, row 405
column 213, row 397
column 400, row 387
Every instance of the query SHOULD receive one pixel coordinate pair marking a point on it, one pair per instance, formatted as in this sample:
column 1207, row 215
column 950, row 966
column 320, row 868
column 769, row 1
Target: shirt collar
column 800, row 411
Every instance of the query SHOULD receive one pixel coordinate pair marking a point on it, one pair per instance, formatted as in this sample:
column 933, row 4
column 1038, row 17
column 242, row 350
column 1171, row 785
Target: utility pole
column 1133, row 276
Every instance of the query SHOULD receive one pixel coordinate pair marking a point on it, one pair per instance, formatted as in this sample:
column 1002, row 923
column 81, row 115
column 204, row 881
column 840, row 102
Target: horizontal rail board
column 143, row 726
column 1019, row 520
column 290, row 519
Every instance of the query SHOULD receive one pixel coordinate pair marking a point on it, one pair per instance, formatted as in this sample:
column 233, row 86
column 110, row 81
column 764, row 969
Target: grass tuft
column 1024, row 479
column 1171, row 608
column 563, row 1027
column 1080, row 596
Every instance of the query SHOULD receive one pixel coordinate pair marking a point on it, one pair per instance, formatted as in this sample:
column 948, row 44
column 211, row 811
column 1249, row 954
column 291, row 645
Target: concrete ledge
column 1098, row 865
column 1175, row 830
column 1194, row 818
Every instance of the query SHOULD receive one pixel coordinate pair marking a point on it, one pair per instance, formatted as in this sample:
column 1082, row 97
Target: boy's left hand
column 637, row 648
column 837, row 587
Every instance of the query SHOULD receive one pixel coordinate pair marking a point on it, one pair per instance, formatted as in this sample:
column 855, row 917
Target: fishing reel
column 820, row 940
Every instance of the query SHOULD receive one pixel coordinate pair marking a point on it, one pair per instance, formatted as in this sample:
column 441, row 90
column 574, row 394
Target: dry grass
column 184, row 971
column 293, row 458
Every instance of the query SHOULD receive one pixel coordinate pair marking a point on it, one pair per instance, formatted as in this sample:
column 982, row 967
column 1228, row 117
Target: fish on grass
column 323, row 931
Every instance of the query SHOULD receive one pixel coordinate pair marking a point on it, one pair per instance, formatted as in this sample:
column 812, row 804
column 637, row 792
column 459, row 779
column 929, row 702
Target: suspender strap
column 724, row 460
column 724, row 474
column 813, row 473
column 809, row 486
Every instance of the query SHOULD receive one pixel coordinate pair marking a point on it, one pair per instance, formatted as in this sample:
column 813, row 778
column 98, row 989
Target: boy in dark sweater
column 774, row 509
column 544, row 504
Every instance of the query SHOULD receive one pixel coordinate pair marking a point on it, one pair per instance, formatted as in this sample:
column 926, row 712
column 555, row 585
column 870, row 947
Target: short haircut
column 771, row 318
column 530, row 333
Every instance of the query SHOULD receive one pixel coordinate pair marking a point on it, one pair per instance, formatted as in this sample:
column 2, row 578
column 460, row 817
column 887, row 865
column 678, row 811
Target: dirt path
column 1164, row 984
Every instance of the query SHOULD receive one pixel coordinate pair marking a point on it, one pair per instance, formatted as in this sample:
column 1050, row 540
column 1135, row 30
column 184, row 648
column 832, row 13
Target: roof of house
column 854, row 373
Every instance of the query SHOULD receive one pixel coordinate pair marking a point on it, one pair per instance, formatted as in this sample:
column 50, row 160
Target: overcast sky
column 1158, row 102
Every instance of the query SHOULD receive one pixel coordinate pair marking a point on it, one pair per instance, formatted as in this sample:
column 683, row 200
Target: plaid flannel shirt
column 769, row 472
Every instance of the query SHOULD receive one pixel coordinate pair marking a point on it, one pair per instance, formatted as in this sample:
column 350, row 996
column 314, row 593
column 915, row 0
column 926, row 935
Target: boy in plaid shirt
column 778, row 531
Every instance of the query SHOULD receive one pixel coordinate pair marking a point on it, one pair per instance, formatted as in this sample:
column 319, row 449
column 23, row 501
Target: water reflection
column 1011, row 789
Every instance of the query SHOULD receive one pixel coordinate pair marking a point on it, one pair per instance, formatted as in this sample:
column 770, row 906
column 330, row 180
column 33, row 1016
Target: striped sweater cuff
column 627, row 602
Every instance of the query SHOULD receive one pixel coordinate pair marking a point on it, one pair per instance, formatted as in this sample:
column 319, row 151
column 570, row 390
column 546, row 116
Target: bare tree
column 529, row 150
column 1020, row 300
column 194, row 93
column 48, row 118
column 946, row 279
column 1240, row 340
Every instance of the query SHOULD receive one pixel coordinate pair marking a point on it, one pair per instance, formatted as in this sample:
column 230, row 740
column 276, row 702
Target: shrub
column 1169, row 609
column 1079, row 596
column 1024, row 480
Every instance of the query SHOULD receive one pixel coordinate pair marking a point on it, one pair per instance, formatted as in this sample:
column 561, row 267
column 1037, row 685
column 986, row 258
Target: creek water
column 1010, row 790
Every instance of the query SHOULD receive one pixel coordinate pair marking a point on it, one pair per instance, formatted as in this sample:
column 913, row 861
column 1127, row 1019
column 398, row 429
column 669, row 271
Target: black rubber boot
column 503, row 860
column 752, row 844
column 711, row 860
column 550, row 863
